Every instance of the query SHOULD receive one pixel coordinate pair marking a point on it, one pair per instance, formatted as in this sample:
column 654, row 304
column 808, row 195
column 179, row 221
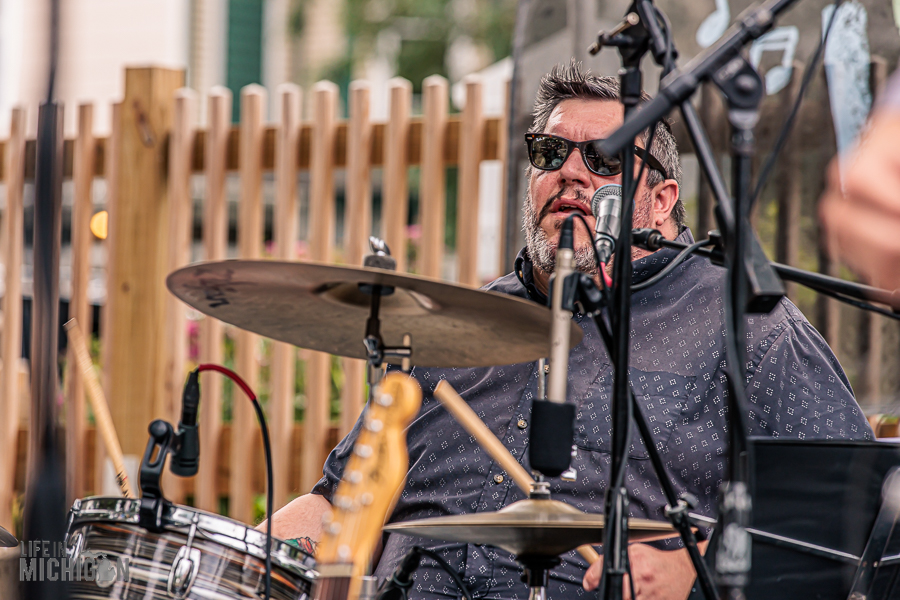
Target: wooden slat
column 789, row 185
column 181, row 215
column 470, row 145
column 828, row 310
column 212, row 331
column 14, row 170
column 321, row 244
column 281, row 412
column 107, row 317
column 872, row 339
column 79, row 307
column 137, row 284
column 712, row 116
column 359, row 192
column 432, row 200
column 395, row 199
column 502, row 146
column 250, row 242
column 359, row 225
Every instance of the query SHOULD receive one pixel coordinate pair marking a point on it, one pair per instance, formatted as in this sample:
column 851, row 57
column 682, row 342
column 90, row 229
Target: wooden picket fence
column 148, row 160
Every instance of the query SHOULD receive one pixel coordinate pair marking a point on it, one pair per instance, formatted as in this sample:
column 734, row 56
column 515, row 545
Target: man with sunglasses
column 795, row 386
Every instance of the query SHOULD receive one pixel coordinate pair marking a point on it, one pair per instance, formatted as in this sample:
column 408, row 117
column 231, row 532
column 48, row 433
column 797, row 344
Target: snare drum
column 197, row 555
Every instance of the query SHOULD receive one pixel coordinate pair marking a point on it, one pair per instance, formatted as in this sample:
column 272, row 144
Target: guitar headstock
column 373, row 475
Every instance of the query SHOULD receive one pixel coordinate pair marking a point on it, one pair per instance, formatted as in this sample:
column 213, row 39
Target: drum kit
column 373, row 313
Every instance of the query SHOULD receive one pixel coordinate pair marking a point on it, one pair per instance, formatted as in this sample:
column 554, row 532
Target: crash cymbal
column 529, row 528
column 321, row 307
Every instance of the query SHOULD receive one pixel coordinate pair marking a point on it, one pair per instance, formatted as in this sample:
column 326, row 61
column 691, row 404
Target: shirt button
column 522, row 424
column 498, row 478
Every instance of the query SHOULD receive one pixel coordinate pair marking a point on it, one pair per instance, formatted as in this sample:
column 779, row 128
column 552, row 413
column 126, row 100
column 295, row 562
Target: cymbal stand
column 376, row 351
column 536, row 567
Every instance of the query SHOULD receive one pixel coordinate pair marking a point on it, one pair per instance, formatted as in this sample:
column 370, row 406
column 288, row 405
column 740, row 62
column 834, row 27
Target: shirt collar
column 642, row 269
column 525, row 273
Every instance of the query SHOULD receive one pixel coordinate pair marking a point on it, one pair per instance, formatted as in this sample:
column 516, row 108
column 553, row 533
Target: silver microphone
column 606, row 206
column 562, row 319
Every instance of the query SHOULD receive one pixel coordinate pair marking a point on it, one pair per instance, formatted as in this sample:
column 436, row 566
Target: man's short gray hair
column 572, row 81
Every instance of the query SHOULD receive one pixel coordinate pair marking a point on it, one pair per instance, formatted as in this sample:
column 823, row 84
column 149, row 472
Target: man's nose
column 574, row 170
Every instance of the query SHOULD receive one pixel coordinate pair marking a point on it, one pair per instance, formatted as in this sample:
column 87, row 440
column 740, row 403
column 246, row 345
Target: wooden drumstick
column 457, row 407
column 98, row 403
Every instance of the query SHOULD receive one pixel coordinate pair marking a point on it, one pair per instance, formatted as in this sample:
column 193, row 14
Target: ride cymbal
column 324, row 307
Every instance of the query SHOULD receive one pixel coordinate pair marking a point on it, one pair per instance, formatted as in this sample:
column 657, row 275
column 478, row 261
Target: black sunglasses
column 549, row 152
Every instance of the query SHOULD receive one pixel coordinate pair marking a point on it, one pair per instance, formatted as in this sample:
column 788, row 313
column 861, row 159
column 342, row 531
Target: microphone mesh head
column 611, row 192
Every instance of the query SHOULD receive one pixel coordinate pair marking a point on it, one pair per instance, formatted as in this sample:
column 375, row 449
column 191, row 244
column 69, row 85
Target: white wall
column 97, row 39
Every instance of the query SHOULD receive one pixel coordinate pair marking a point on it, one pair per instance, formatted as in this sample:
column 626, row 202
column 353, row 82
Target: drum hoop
column 216, row 528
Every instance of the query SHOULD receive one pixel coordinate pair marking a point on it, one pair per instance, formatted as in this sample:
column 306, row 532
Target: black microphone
column 606, row 206
column 397, row 585
column 186, row 459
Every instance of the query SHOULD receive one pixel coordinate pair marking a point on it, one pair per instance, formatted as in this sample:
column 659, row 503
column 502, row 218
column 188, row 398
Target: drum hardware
column 185, row 567
column 376, row 351
column 152, row 502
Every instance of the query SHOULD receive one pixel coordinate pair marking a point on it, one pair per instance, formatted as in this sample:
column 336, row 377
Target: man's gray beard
column 543, row 252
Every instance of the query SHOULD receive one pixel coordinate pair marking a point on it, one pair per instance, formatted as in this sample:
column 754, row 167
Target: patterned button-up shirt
column 795, row 388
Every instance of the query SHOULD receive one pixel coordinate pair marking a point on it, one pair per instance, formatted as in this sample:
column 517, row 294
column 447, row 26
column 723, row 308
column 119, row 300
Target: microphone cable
column 267, row 448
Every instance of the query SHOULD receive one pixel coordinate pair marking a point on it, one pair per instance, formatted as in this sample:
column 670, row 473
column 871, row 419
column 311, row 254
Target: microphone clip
column 579, row 293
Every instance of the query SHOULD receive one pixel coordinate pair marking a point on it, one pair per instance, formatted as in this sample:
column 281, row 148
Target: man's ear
column 665, row 195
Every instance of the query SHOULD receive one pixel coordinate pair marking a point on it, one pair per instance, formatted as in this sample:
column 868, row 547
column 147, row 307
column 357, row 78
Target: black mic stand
column 742, row 88
column 632, row 46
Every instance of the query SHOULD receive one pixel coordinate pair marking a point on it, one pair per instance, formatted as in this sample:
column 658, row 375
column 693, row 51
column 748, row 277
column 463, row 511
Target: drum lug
column 184, row 571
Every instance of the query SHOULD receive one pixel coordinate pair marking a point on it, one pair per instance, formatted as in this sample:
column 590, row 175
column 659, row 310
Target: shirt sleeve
column 797, row 389
column 333, row 470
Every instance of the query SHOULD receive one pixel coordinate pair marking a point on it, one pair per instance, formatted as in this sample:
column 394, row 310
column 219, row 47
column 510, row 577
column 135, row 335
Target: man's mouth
column 569, row 206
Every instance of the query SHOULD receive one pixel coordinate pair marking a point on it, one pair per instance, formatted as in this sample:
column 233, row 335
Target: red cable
column 605, row 275
column 231, row 374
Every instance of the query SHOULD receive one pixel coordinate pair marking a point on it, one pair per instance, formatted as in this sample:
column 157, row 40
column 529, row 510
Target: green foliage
column 426, row 29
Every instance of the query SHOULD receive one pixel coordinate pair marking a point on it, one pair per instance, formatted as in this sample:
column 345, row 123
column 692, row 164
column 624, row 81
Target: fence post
column 321, row 245
column 433, row 188
column 356, row 233
column 470, row 150
column 14, row 166
column 136, row 287
column 284, row 356
column 79, row 307
column 250, row 241
column 212, row 331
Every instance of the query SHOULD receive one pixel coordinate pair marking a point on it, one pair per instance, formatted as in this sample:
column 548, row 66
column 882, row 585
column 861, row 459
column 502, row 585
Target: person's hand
column 862, row 221
column 658, row 574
